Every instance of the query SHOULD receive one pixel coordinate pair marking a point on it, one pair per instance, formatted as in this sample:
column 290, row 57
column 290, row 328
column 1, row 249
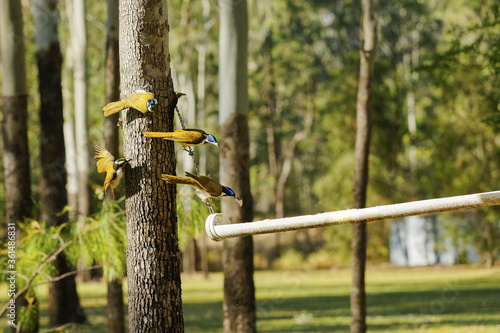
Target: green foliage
column 27, row 316
column 291, row 260
column 107, row 245
column 322, row 259
column 99, row 241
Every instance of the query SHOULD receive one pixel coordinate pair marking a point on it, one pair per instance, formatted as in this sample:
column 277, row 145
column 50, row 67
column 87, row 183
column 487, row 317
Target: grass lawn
column 430, row 299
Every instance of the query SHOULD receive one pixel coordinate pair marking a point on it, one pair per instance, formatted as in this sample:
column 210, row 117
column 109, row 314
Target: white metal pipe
column 219, row 227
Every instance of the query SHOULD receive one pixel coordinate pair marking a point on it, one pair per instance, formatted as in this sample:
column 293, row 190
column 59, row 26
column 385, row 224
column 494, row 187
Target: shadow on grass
column 446, row 307
column 452, row 305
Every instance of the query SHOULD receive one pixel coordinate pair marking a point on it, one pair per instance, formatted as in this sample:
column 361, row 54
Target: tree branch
column 44, row 263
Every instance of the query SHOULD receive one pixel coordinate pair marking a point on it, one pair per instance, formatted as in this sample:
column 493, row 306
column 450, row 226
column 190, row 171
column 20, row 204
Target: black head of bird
column 119, row 163
column 151, row 103
column 209, row 138
column 226, row 191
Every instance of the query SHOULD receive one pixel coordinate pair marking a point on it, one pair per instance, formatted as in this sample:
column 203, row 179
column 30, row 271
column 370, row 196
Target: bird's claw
column 210, row 205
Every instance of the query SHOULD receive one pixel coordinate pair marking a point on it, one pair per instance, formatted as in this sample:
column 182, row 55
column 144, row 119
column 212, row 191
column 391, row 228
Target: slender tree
column 69, row 119
column 79, row 46
column 16, row 159
column 237, row 257
column 153, row 267
column 115, row 306
column 64, row 304
column 368, row 46
column 15, row 114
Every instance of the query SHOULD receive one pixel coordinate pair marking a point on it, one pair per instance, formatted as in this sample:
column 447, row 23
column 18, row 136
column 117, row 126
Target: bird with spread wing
column 106, row 164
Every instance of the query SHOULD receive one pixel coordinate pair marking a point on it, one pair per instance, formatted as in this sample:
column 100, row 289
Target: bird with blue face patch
column 140, row 100
column 187, row 137
column 207, row 187
column 106, row 164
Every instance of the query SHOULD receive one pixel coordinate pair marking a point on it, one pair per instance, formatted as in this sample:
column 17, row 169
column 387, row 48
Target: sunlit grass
column 431, row 299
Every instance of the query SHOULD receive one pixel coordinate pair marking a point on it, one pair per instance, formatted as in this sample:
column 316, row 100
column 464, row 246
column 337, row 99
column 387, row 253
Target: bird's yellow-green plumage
column 202, row 183
column 138, row 100
column 187, row 137
column 106, row 164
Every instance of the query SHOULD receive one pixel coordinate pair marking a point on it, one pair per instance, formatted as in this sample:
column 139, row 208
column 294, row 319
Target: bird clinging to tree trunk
column 141, row 100
column 106, row 164
column 187, row 137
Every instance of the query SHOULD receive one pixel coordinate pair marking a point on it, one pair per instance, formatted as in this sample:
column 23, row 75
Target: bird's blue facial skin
column 230, row 192
column 150, row 103
column 211, row 138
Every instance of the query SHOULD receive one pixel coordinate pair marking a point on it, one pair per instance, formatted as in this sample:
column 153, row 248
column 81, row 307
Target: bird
column 187, row 137
column 207, row 187
column 140, row 100
column 106, row 163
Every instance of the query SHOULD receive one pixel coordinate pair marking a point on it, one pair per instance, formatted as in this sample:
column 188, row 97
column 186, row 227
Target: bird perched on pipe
column 106, row 164
column 206, row 187
column 187, row 137
column 140, row 100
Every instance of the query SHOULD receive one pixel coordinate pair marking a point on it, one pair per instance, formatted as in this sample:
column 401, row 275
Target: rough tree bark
column 368, row 46
column 16, row 159
column 153, row 267
column 237, row 256
column 115, row 306
column 64, row 304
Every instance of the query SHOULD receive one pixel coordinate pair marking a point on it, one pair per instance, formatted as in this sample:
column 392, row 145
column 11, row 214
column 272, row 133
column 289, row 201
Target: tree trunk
column 200, row 105
column 16, row 161
column 200, row 117
column 153, row 267
column 115, row 306
column 64, row 304
column 69, row 123
column 368, row 44
column 15, row 114
column 237, row 256
column 78, row 47
column 77, row 29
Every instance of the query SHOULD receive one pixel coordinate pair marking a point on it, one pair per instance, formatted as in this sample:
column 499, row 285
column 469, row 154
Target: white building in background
column 421, row 241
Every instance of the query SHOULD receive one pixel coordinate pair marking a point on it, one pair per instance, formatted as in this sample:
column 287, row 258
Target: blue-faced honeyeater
column 106, row 163
column 206, row 186
column 187, row 137
column 140, row 100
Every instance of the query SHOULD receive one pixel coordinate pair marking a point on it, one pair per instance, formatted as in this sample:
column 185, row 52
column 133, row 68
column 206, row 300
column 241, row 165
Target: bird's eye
column 150, row 103
column 211, row 138
column 230, row 192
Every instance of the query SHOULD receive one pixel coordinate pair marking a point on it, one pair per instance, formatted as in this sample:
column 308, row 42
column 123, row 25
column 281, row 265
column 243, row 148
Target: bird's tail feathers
column 115, row 107
column 158, row 134
column 178, row 180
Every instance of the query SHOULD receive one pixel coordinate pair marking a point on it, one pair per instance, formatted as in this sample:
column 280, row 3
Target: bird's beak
column 239, row 201
column 216, row 144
